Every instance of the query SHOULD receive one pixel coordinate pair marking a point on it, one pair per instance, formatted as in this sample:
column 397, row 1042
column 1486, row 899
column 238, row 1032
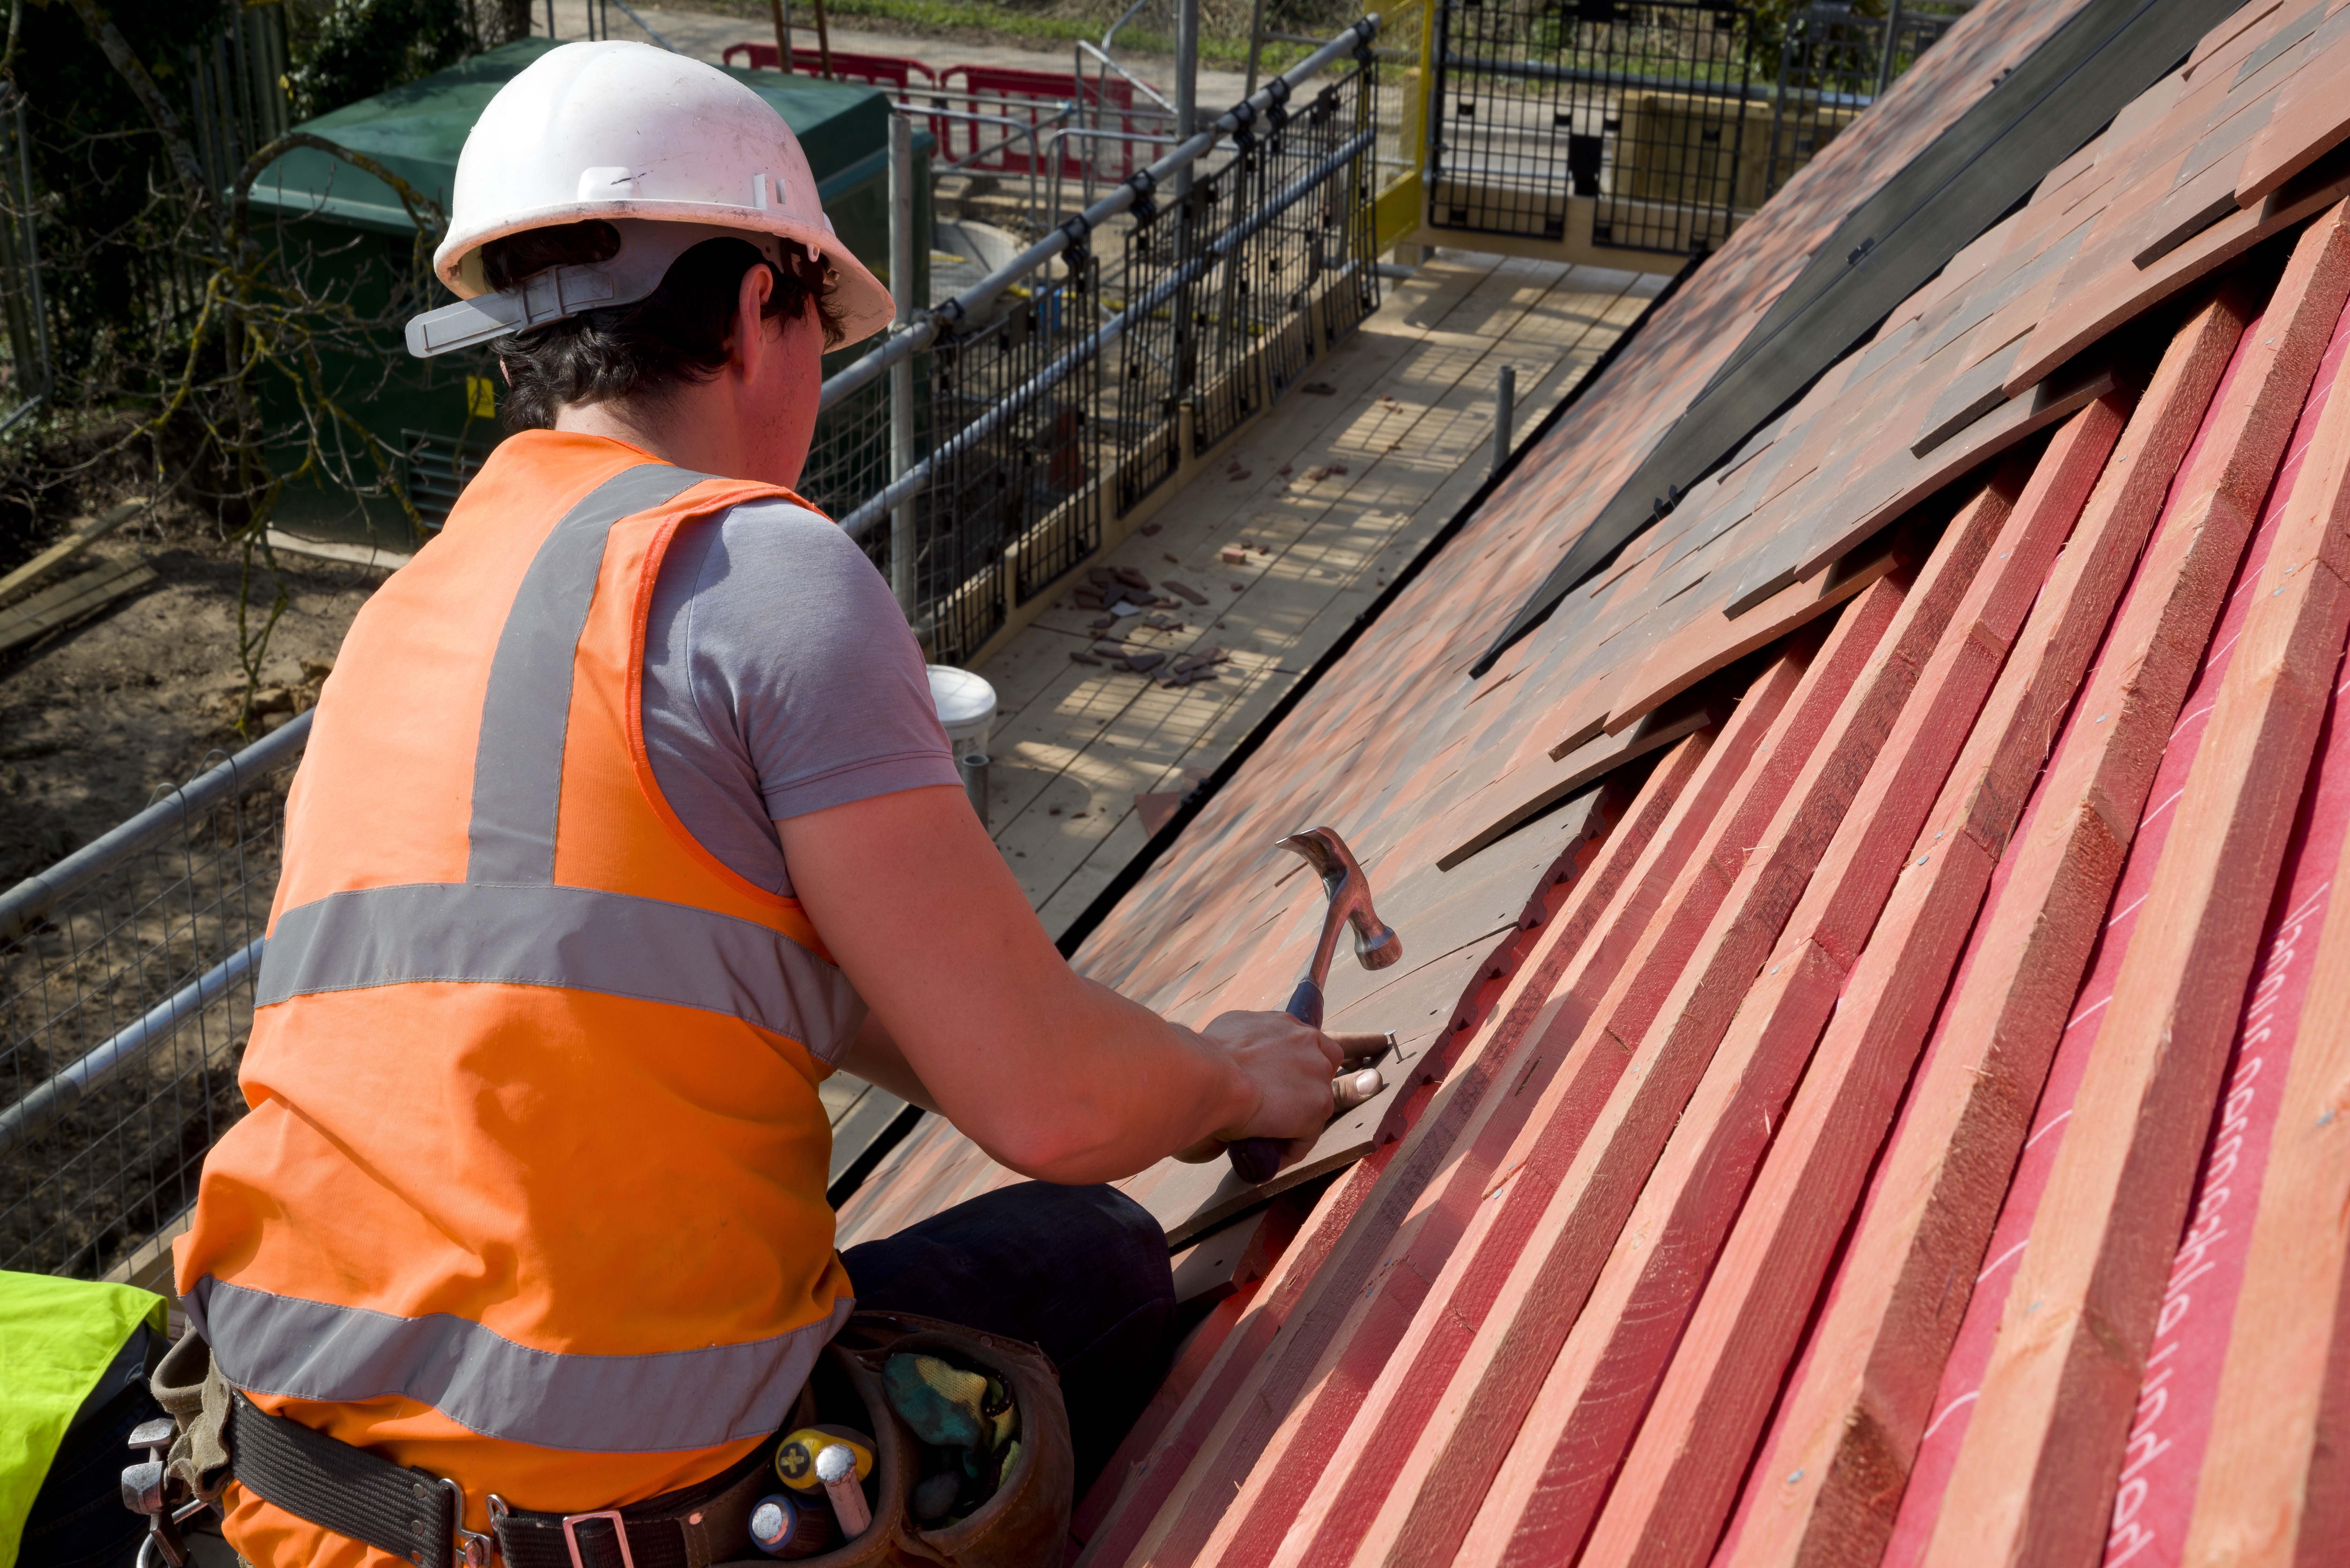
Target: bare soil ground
column 95, row 719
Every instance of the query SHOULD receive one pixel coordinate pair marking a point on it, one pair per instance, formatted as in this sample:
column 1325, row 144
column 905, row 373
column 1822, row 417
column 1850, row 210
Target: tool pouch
column 1026, row 1524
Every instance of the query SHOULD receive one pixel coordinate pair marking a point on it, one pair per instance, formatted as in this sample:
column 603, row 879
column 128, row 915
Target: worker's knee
column 1025, row 1261
column 1122, row 1235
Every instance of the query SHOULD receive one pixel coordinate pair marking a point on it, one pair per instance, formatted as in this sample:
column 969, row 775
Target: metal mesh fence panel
column 1643, row 106
column 1347, row 247
column 123, row 1012
column 848, row 460
column 1832, row 62
column 1027, row 484
column 1157, row 358
column 1226, row 303
column 1296, row 212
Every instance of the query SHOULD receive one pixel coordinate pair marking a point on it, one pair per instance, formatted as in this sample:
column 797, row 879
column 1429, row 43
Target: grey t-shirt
column 780, row 679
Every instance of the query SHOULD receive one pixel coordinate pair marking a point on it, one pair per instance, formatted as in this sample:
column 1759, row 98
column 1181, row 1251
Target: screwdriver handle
column 1257, row 1160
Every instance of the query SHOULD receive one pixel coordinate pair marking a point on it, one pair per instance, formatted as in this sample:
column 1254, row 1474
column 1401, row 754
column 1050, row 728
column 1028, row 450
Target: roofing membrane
column 1899, row 1115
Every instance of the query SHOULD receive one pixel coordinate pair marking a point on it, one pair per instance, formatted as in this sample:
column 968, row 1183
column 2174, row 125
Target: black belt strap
column 406, row 1513
column 690, row 1528
column 412, row 1513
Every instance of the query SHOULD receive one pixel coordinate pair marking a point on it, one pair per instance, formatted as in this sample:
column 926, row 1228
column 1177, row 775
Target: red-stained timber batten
column 1344, row 1236
column 1680, row 1477
column 2045, row 1443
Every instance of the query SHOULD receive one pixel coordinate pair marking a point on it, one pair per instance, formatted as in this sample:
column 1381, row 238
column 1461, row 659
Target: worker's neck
column 700, row 426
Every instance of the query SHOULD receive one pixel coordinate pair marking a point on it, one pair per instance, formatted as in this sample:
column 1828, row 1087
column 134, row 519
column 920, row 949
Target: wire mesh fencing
column 1644, row 108
column 1088, row 383
column 126, row 993
column 1288, row 203
column 1834, row 61
column 1019, row 500
column 1671, row 120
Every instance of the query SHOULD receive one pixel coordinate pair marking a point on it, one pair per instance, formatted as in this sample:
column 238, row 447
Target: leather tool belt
column 413, row 1514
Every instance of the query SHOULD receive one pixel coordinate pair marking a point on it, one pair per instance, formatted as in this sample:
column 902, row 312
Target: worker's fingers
column 1356, row 1047
column 1291, row 1064
column 1202, row 1152
column 1355, row 1089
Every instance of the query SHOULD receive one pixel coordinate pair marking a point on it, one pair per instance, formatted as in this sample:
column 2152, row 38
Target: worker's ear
column 752, row 338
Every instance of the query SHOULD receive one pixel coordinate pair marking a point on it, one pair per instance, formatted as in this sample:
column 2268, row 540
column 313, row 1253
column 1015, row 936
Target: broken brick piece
column 1144, row 663
column 1183, row 590
column 1130, row 577
column 1319, row 389
column 1233, row 555
column 1081, row 657
column 1147, row 529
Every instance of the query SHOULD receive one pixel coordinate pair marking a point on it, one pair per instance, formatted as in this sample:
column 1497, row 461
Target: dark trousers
column 1080, row 1272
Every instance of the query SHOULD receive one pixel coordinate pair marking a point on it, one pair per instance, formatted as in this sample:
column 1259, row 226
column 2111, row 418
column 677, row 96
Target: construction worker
column 625, row 819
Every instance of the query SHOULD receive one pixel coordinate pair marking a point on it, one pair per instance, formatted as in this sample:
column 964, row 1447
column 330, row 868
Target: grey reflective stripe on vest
column 581, row 938
column 678, row 1399
column 518, row 761
column 508, row 923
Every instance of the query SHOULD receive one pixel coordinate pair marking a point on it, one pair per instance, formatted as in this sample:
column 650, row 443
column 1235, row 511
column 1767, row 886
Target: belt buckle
column 571, row 1523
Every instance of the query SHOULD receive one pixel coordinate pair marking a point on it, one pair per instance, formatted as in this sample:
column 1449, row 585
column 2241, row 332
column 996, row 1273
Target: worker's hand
column 1290, row 1065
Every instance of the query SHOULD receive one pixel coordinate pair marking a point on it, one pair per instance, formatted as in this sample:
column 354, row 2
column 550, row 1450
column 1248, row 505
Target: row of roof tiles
column 1895, row 1117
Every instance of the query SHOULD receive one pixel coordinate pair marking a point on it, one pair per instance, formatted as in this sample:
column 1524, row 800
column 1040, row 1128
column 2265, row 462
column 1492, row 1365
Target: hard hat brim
column 859, row 300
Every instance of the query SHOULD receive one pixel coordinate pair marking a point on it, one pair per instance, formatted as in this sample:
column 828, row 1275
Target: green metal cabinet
column 346, row 233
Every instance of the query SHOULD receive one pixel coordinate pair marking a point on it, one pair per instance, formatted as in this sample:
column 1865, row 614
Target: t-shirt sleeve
column 799, row 647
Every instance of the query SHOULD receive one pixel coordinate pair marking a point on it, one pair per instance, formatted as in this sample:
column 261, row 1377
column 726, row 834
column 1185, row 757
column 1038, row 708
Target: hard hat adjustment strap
column 550, row 295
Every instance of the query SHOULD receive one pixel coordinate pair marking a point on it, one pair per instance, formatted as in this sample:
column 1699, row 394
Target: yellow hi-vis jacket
column 531, row 1191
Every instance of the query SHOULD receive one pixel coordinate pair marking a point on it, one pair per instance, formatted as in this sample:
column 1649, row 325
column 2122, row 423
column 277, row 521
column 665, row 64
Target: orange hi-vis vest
column 531, row 1191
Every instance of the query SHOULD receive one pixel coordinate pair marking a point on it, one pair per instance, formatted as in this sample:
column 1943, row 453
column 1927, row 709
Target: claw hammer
column 1258, row 1159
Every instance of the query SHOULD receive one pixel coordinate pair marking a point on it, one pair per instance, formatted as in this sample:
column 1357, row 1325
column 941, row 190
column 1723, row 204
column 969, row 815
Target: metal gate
column 1670, row 120
column 1833, row 62
column 1645, row 108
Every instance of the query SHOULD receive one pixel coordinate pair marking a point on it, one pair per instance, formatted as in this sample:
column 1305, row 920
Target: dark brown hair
column 677, row 334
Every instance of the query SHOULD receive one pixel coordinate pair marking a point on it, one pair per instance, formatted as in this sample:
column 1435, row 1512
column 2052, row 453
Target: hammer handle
column 1257, row 1160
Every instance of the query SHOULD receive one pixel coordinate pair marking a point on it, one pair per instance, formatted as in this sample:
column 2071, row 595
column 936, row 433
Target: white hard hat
column 671, row 150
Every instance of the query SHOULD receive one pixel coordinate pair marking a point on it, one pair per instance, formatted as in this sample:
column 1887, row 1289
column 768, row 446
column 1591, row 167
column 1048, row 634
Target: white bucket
column 966, row 705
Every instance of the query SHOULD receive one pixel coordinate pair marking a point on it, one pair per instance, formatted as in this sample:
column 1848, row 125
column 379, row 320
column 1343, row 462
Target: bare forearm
column 1051, row 1074
column 1120, row 1087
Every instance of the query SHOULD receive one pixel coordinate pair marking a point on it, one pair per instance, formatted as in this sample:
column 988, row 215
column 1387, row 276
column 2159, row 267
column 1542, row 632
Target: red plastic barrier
column 895, row 74
column 1012, row 93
